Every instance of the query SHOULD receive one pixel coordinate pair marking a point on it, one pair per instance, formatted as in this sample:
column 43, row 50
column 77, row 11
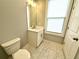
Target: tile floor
column 47, row 50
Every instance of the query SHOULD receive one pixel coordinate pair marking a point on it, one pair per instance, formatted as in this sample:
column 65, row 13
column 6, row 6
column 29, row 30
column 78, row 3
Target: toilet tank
column 11, row 46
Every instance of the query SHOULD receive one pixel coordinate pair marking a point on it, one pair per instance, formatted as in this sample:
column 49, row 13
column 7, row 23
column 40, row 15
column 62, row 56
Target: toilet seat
column 21, row 54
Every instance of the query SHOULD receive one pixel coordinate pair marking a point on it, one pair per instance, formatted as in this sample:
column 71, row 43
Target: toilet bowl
column 12, row 47
column 21, row 54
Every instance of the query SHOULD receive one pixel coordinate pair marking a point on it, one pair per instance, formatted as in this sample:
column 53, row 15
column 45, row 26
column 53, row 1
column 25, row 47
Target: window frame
column 56, row 33
column 65, row 24
column 56, row 18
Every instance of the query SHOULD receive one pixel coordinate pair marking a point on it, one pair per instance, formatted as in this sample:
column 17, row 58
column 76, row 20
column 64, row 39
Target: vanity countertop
column 37, row 29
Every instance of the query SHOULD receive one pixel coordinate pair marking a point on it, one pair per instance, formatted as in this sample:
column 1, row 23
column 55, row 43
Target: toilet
column 12, row 47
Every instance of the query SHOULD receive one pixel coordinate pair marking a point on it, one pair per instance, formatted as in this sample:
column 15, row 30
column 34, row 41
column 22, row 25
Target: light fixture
column 32, row 2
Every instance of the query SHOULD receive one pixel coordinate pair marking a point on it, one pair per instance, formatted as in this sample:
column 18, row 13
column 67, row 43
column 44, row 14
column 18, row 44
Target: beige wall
column 13, row 20
column 38, row 13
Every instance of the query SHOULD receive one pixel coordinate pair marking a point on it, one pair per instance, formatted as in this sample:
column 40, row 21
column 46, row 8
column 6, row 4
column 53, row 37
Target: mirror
column 36, row 14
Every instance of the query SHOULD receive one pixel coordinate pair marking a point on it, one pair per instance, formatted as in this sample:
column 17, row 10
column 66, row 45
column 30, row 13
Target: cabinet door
column 32, row 38
column 40, row 38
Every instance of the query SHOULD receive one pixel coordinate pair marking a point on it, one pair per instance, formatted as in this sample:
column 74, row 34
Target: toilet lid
column 21, row 54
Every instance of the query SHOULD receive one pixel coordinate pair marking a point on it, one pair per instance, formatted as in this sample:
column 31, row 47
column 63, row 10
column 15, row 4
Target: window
column 55, row 25
column 57, row 10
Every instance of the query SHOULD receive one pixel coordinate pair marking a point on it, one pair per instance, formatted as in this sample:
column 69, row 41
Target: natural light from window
column 57, row 10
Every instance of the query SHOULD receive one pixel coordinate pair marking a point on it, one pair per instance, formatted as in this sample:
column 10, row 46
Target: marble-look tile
column 47, row 50
column 59, row 54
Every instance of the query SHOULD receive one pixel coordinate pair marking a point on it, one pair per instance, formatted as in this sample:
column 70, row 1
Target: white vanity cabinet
column 35, row 36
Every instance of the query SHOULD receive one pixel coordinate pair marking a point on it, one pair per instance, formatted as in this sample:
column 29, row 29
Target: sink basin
column 36, row 29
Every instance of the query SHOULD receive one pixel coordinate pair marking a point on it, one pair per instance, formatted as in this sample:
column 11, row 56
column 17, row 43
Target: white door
column 74, row 19
column 71, row 46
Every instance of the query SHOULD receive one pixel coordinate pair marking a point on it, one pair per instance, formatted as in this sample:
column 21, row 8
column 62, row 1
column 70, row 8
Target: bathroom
column 18, row 18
